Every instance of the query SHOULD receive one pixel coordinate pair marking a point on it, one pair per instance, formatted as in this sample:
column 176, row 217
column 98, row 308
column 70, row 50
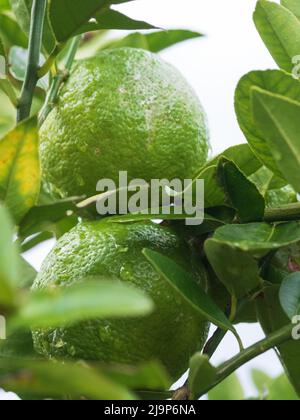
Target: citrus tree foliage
column 248, row 242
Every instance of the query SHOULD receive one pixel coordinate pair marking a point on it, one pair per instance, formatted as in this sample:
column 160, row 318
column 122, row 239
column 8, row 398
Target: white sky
column 213, row 65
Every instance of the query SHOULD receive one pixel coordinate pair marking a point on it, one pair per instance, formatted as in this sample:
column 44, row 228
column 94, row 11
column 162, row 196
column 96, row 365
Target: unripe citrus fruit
column 123, row 110
column 171, row 334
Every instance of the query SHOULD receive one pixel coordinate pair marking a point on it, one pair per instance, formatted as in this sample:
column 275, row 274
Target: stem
column 214, row 342
column 34, row 49
column 283, row 214
column 46, row 67
column 60, row 77
column 274, row 340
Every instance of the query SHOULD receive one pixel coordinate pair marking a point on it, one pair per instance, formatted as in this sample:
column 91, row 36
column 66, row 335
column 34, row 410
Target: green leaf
column 280, row 31
column 289, row 295
column 272, row 318
column 274, row 189
column 229, row 390
column 36, row 240
column 17, row 345
column 3, row 64
column 4, row 5
column 260, row 380
column 45, row 379
column 214, row 192
column 293, row 6
column 202, row 375
column 27, row 273
column 22, row 11
column 8, row 260
column 280, row 389
column 20, row 169
column 112, row 19
column 147, row 376
column 259, row 238
column 11, row 33
column 278, row 118
column 281, row 197
column 274, row 81
column 236, row 269
column 93, row 298
column 242, row 193
column 7, row 87
column 70, row 17
column 188, row 289
column 155, row 41
column 42, row 218
column 242, row 156
column 18, row 58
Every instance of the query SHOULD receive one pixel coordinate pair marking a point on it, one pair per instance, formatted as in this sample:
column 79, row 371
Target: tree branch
column 34, row 49
column 286, row 213
column 274, row 340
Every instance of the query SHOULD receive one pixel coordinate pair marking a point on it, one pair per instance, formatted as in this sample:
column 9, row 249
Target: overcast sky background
column 213, row 65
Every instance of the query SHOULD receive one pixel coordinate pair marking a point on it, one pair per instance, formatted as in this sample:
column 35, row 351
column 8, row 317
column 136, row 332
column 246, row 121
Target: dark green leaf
column 17, row 345
column 112, row 19
column 242, row 193
column 69, row 17
column 41, row 218
column 278, row 118
column 187, row 287
column 289, row 295
column 236, row 269
column 155, row 41
column 274, row 81
column 282, row 40
column 160, row 215
column 36, row 240
column 202, row 375
column 94, row 298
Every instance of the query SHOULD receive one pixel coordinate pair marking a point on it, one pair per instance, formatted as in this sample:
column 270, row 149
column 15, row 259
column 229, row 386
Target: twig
column 60, row 77
column 286, row 213
column 34, row 49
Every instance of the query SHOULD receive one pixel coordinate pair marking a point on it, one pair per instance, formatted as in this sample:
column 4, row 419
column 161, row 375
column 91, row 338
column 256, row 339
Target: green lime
column 123, row 110
column 171, row 334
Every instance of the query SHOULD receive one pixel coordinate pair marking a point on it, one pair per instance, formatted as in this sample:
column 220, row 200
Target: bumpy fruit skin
column 171, row 334
column 123, row 110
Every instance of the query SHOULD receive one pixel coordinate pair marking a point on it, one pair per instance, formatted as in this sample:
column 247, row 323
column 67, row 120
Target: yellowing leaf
column 20, row 168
